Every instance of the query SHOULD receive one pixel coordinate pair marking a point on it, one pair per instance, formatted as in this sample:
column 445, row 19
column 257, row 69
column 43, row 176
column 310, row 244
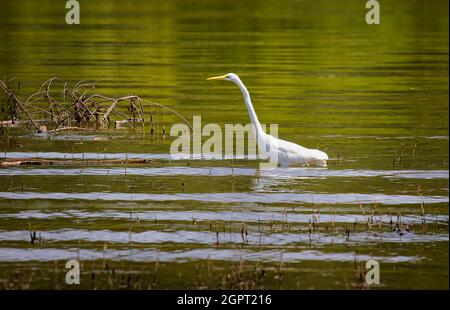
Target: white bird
column 286, row 153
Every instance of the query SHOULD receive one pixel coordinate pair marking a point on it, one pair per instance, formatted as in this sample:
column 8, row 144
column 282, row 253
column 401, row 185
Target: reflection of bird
column 287, row 153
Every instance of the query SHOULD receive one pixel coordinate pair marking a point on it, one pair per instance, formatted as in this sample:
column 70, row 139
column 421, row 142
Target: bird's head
column 227, row 77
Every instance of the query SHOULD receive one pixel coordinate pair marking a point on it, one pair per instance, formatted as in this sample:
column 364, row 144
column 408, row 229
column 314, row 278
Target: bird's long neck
column 251, row 111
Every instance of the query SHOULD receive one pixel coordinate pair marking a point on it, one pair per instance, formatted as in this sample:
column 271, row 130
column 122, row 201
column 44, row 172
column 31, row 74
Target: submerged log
column 122, row 124
column 10, row 162
column 14, row 123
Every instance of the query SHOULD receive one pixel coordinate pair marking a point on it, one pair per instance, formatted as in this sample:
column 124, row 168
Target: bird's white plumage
column 287, row 153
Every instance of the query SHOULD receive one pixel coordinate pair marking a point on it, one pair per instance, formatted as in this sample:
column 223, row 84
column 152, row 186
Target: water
column 315, row 68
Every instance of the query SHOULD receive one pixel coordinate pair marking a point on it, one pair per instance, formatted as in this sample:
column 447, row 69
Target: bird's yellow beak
column 221, row 77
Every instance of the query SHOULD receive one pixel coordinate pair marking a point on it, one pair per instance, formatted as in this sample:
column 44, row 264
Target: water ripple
column 210, row 237
column 286, row 173
column 351, row 198
column 151, row 255
column 230, row 216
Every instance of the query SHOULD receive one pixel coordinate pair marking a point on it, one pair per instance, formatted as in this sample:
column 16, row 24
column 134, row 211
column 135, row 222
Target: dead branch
column 84, row 107
column 17, row 100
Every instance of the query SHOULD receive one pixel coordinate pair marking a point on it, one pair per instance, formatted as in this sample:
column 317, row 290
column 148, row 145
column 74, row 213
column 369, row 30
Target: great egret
column 287, row 153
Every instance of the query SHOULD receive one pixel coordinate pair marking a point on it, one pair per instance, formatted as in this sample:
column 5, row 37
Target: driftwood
column 10, row 162
column 72, row 108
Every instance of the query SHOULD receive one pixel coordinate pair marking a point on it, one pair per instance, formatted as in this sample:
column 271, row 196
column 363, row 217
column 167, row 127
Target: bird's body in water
column 286, row 153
